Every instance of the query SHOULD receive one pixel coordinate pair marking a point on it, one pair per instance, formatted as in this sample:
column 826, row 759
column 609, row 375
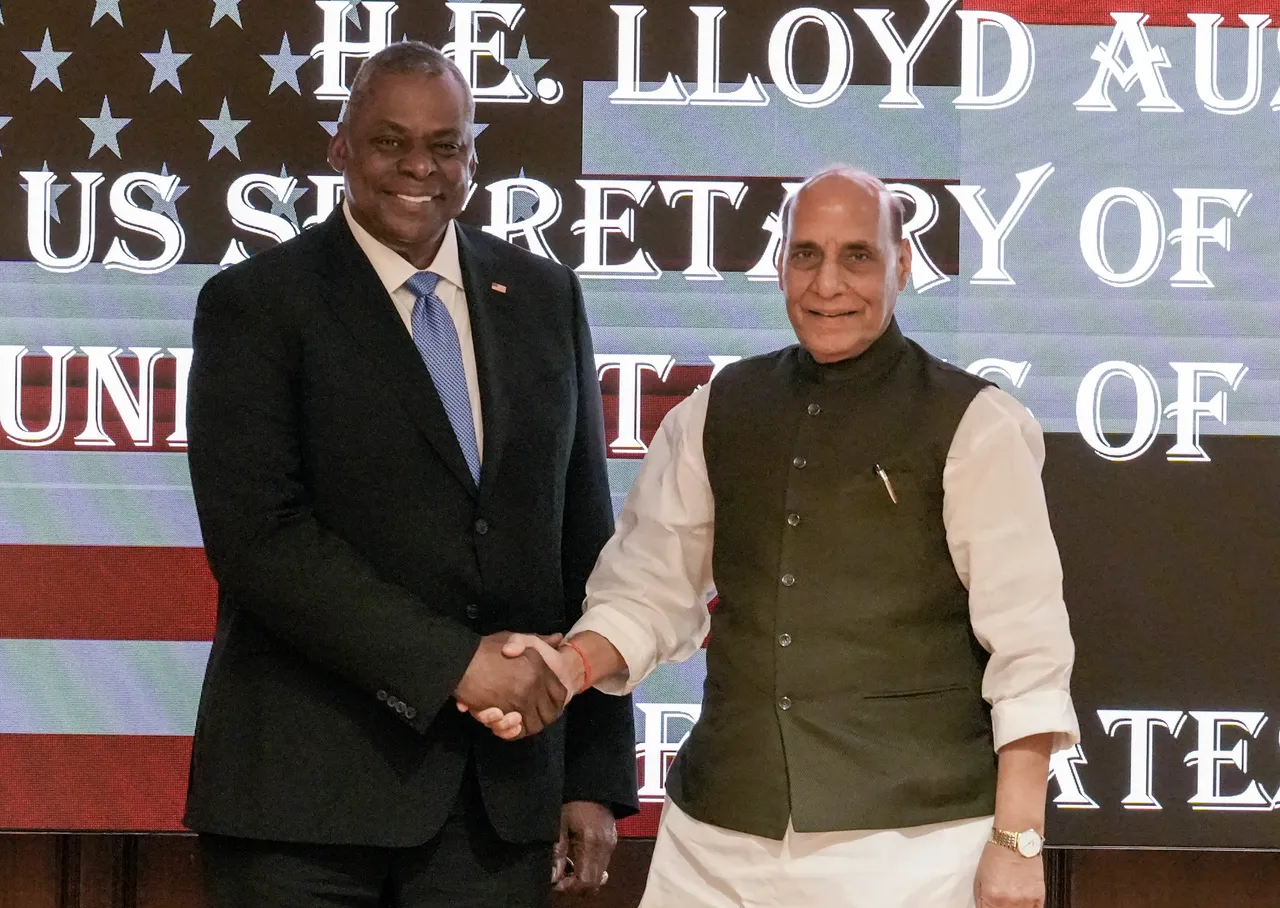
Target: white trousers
column 697, row 865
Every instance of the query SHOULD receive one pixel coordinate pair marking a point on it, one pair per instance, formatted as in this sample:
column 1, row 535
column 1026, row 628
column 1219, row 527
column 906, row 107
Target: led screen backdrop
column 1092, row 194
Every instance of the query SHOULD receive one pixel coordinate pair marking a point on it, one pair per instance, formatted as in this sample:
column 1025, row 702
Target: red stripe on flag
column 643, row 825
column 122, row 783
column 117, row 783
column 1097, row 12
column 106, row 593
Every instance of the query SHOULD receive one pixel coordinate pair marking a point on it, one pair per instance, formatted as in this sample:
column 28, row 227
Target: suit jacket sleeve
column 268, row 552
column 600, row 751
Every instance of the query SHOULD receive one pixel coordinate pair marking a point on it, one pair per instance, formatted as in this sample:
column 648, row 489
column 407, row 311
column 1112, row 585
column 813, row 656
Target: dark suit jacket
column 358, row 564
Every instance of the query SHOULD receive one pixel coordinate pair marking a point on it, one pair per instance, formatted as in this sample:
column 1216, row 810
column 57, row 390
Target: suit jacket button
column 482, row 526
column 382, row 695
column 410, row 713
column 473, row 611
column 401, row 708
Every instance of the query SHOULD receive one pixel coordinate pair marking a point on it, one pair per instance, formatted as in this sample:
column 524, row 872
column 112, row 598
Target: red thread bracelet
column 586, row 665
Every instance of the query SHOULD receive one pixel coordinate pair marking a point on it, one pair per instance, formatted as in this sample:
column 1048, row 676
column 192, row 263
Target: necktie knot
column 423, row 283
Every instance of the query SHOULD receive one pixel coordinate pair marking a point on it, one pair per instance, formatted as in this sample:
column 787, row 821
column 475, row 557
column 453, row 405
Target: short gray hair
column 891, row 213
column 399, row 59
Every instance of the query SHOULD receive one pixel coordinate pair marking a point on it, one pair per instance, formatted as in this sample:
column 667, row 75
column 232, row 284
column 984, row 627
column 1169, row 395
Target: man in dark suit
column 397, row 456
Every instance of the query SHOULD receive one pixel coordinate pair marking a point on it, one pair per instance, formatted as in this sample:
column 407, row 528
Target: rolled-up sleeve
column 649, row 590
column 1004, row 552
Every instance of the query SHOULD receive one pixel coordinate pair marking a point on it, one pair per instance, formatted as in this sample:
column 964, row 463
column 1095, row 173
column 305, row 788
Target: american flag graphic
column 143, row 145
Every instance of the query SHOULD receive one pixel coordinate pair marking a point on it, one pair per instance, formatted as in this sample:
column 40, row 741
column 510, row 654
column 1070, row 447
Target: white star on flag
column 224, row 130
column 106, row 129
column 165, row 63
column 160, row 205
column 331, row 126
column 285, row 66
column 106, row 8
column 46, row 61
column 226, row 9
column 55, row 190
column 525, row 67
column 287, row 207
column 522, row 204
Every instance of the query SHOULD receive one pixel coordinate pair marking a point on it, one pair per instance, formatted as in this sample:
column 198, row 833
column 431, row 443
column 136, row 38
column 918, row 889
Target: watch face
column 1029, row 843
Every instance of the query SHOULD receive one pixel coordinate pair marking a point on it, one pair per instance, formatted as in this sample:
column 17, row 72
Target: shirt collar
column 867, row 367
column 392, row 269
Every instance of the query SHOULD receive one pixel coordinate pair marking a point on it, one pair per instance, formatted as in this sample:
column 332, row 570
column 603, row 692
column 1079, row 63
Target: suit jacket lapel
column 484, row 306
column 359, row 300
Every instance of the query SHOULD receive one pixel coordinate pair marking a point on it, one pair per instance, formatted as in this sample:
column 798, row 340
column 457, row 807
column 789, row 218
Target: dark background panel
column 1171, row 572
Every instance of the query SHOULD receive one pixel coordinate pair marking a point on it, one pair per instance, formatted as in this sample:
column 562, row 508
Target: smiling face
column 406, row 154
column 839, row 283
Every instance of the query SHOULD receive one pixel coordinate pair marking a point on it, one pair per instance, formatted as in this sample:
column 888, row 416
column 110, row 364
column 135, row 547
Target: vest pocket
column 916, row 692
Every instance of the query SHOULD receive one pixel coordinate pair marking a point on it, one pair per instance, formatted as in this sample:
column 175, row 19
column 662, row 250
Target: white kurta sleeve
column 649, row 590
column 1003, row 548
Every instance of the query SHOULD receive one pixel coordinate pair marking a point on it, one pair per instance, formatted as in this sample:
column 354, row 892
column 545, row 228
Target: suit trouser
column 465, row 864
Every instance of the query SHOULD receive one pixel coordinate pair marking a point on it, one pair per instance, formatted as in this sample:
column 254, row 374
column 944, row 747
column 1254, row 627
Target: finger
column 551, row 702
column 595, row 860
column 544, row 648
column 511, row 733
column 490, row 716
column 551, row 640
column 588, row 861
column 533, row 722
column 559, row 857
column 516, row 645
column 508, row 726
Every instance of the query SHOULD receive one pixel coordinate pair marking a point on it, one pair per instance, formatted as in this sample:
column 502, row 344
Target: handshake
column 518, row 684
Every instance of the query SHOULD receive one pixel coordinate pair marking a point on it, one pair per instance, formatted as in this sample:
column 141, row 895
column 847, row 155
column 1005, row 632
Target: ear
column 339, row 150
column 904, row 263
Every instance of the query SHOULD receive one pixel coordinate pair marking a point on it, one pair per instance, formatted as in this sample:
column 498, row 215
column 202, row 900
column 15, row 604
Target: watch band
column 1005, row 839
column 1028, row 844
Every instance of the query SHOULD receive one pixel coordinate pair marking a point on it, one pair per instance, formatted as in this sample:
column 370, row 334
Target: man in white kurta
column 844, row 261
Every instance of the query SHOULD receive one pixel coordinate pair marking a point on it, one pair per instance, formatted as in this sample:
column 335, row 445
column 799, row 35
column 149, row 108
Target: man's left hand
column 1008, row 880
column 587, row 837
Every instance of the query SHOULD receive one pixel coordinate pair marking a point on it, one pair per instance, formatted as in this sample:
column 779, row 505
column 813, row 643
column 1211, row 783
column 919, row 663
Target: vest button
column 799, row 463
column 784, row 640
column 814, row 409
column 473, row 611
column 788, row 579
column 482, row 526
column 784, row 703
column 793, row 520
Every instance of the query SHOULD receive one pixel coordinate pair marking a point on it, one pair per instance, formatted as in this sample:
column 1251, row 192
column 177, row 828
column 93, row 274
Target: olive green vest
column 843, row 682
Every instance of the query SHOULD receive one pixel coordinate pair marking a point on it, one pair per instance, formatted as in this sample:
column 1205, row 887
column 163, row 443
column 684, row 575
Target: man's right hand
column 525, row 685
column 566, row 663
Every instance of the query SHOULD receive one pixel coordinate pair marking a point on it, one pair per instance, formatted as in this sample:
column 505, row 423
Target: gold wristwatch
column 1027, row 843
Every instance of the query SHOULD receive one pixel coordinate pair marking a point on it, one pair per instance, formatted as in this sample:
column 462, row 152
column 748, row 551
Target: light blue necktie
column 436, row 338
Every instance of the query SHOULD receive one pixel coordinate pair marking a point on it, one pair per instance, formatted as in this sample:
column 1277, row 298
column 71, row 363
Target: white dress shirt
column 393, row 270
column 649, row 591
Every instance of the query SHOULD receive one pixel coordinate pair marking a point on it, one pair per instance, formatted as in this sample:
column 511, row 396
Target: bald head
column 842, row 179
